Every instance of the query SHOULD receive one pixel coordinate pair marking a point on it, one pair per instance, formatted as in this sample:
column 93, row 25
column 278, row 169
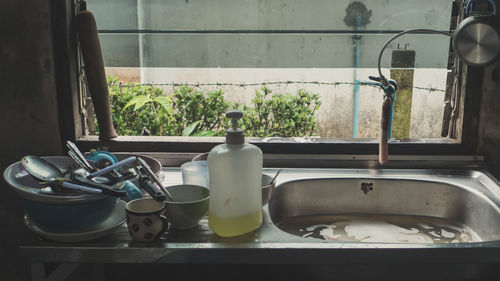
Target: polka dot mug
column 145, row 219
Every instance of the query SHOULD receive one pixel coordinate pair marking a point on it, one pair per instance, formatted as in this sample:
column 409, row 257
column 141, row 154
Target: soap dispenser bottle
column 235, row 178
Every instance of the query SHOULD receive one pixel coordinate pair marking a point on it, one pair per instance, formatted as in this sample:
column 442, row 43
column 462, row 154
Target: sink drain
column 366, row 187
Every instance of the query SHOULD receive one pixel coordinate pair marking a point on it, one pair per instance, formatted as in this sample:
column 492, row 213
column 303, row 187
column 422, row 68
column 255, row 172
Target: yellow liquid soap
column 227, row 227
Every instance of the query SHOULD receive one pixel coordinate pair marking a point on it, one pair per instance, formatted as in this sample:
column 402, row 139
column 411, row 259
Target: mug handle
column 165, row 228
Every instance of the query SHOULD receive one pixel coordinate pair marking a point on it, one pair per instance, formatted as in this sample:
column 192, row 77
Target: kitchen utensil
column 103, row 163
column 96, row 155
column 110, row 168
column 77, row 160
column 48, row 172
column 152, row 163
column 77, row 155
column 149, row 173
column 146, row 184
column 42, row 169
column 104, row 159
column 273, row 180
column 101, row 188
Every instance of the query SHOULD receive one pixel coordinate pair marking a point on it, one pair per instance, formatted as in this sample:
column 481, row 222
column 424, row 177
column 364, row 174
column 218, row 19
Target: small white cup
column 145, row 220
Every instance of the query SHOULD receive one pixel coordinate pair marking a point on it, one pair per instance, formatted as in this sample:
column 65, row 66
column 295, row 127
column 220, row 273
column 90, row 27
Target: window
column 324, row 47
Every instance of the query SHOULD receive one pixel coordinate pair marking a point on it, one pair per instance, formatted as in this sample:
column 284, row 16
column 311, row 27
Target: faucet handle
column 375, row 78
column 389, row 86
column 380, row 79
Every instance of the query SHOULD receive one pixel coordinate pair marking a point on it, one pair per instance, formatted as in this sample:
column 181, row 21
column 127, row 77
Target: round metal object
column 41, row 168
column 476, row 41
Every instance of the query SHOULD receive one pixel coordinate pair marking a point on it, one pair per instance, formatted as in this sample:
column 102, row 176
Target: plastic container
column 195, row 172
column 235, row 180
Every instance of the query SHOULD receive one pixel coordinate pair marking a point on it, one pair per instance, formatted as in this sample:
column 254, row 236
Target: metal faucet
column 389, row 87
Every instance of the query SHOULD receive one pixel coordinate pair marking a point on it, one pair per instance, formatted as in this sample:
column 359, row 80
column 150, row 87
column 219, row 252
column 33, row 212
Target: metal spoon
column 46, row 171
column 42, row 169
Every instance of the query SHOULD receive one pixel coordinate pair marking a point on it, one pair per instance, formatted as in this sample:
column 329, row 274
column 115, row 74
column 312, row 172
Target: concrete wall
column 263, row 58
column 257, row 50
column 118, row 49
column 336, row 112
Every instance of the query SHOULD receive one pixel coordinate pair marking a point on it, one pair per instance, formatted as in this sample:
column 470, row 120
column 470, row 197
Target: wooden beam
column 403, row 62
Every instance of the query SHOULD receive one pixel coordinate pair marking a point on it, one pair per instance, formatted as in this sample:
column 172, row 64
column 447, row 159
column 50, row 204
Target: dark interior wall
column 489, row 120
column 28, row 111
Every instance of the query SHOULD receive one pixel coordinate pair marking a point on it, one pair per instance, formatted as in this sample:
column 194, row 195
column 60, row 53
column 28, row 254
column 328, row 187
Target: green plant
column 186, row 112
column 159, row 105
column 197, row 113
column 190, row 112
column 282, row 115
column 138, row 107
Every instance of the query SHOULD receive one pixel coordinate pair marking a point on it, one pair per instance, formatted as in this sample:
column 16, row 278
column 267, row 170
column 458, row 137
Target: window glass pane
column 238, row 45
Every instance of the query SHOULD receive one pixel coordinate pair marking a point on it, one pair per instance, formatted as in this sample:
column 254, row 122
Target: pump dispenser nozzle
column 235, row 134
column 235, row 115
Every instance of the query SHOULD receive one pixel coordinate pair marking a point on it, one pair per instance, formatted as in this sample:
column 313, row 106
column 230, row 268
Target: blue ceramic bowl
column 76, row 217
column 59, row 213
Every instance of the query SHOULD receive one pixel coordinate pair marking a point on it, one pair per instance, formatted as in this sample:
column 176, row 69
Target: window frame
column 66, row 68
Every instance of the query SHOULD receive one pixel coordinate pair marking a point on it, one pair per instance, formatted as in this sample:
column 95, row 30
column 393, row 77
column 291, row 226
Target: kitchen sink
column 349, row 224
column 388, row 206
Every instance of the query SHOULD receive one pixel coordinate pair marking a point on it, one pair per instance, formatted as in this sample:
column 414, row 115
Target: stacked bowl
column 74, row 212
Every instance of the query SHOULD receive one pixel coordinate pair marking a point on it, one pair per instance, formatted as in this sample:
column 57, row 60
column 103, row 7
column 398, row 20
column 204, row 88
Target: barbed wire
column 253, row 84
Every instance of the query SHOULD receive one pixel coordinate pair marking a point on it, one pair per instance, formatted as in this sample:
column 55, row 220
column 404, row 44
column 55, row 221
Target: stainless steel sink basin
column 389, row 206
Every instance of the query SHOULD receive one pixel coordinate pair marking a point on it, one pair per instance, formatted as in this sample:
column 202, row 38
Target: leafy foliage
column 282, row 115
column 197, row 113
column 138, row 107
column 190, row 112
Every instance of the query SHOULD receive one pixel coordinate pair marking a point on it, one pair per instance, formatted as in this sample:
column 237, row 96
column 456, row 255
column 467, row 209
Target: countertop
column 265, row 245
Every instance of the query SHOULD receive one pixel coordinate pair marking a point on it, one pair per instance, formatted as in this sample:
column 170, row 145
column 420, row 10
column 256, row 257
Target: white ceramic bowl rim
column 186, row 202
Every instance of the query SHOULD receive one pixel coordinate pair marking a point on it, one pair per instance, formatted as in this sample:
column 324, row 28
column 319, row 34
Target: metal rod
column 249, row 31
column 357, row 54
